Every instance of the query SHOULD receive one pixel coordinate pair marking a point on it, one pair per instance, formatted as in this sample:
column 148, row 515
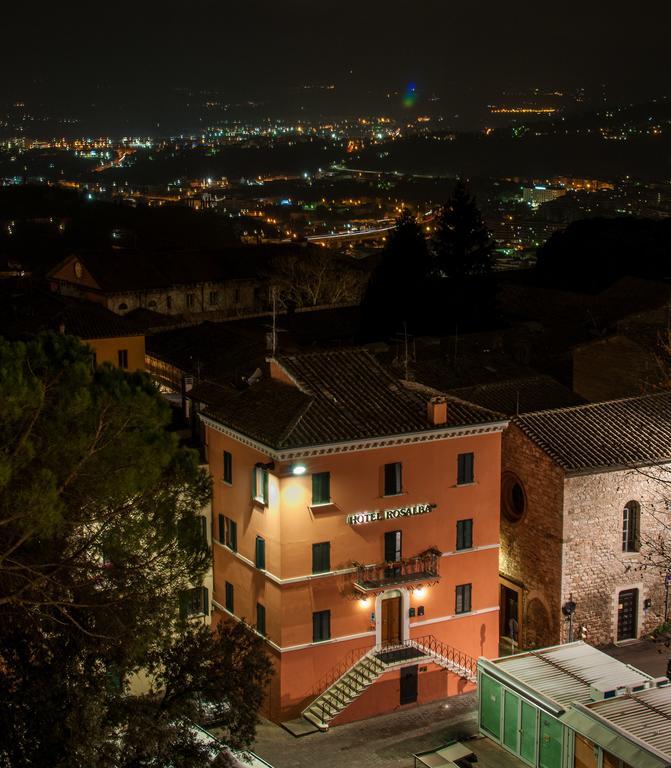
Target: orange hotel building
column 356, row 526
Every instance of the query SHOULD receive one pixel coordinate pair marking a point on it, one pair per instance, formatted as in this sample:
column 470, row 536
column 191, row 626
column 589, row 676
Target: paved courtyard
column 387, row 741
column 645, row 655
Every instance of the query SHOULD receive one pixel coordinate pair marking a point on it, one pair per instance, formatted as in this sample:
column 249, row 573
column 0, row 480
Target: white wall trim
column 454, row 616
column 345, row 638
column 339, row 572
column 428, row 436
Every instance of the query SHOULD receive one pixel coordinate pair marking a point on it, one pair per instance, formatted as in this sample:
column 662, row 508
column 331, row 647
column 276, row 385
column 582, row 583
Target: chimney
column 436, row 411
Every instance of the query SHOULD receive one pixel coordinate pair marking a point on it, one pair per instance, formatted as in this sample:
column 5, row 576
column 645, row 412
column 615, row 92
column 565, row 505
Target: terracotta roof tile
column 632, row 432
column 339, row 396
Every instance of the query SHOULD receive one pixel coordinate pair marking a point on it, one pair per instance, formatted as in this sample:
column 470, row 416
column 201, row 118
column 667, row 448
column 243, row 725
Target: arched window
column 631, row 527
column 123, row 307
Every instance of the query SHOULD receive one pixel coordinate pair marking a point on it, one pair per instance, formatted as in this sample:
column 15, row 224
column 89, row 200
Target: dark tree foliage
column 394, row 290
column 98, row 538
column 592, row 254
column 462, row 244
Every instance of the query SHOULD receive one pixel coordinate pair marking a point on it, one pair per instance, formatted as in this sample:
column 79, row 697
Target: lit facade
column 340, row 549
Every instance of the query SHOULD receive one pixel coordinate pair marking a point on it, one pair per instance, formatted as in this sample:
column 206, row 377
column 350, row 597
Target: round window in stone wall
column 513, row 497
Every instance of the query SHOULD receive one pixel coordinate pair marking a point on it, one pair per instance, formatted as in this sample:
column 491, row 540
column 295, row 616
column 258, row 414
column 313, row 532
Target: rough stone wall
column 595, row 567
column 531, row 549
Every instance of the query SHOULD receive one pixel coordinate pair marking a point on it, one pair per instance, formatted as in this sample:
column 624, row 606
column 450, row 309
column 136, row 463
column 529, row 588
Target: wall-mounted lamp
column 364, row 602
column 419, row 593
column 298, row 469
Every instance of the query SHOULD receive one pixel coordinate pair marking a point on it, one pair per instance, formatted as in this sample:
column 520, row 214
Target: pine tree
column 463, row 245
column 98, row 540
column 394, row 289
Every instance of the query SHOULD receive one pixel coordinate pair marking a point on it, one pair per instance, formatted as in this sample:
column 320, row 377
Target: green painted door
column 490, row 706
column 528, row 733
column 550, row 743
column 511, row 713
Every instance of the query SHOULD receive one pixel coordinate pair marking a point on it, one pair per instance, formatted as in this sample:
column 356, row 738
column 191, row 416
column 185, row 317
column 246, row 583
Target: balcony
column 410, row 570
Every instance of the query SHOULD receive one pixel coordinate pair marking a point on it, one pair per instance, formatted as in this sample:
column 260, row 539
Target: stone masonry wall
column 531, row 549
column 595, row 568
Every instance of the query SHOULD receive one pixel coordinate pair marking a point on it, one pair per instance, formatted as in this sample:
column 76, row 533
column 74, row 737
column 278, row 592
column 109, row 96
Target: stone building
column 582, row 498
column 219, row 285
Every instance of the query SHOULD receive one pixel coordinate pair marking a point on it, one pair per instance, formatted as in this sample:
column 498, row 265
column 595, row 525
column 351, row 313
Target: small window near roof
column 464, row 468
column 123, row 307
column 321, row 488
column 260, row 485
column 393, row 479
column 123, row 359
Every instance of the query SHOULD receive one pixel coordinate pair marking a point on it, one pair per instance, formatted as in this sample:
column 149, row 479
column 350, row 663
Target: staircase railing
column 445, row 651
column 349, row 661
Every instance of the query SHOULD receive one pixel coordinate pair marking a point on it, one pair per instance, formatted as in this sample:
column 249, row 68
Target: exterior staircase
column 363, row 666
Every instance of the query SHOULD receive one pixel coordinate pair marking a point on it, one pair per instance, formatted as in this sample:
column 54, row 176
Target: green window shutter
column 233, row 535
column 321, row 488
column 222, row 529
column 206, row 601
column 260, row 553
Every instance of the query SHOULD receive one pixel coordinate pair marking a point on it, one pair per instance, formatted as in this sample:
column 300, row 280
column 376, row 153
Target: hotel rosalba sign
column 389, row 514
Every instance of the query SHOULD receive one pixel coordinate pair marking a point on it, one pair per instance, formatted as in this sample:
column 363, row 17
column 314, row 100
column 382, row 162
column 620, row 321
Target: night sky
column 73, row 52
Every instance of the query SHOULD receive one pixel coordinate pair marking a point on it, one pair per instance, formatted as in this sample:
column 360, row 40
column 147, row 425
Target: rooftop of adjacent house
column 565, row 674
column 338, row 396
column 519, row 395
column 29, row 309
column 118, row 270
column 598, row 437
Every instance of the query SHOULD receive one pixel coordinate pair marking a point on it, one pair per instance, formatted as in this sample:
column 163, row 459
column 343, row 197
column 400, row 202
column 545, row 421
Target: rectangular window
column 168, row 302
column 261, row 619
column 260, row 485
column 190, row 300
column 464, row 468
column 228, row 532
column 194, row 602
column 228, row 468
column 321, row 557
column 393, row 479
column 464, row 534
column 230, row 598
column 321, row 626
column 123, row 359
column 392, row 546
column 202, row 525
column 463, row 602
column 260, row 553
column 95, row 359
column 321, row 488
column 214, row 298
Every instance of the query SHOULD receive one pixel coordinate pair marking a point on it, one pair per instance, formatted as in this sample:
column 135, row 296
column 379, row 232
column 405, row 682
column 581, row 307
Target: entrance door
column 509, row 613
column 409, row 684
column 626, row 614
column 550, row 748
column 391, row 621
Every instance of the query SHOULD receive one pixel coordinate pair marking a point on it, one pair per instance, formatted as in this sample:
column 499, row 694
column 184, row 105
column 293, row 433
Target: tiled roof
column 632, row 432
column 116, row 271
column 27, row 311
column 339, row 396
column 522, row 395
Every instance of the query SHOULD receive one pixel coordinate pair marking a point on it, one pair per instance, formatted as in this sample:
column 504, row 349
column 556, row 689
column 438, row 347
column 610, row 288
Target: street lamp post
column 568, row 609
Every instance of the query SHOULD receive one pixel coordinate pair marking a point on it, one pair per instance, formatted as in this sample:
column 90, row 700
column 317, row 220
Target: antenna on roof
column 405, row 341
column 274, row 332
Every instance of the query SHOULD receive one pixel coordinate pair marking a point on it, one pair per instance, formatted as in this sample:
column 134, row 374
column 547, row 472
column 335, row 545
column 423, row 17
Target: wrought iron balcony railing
column 406, row 571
